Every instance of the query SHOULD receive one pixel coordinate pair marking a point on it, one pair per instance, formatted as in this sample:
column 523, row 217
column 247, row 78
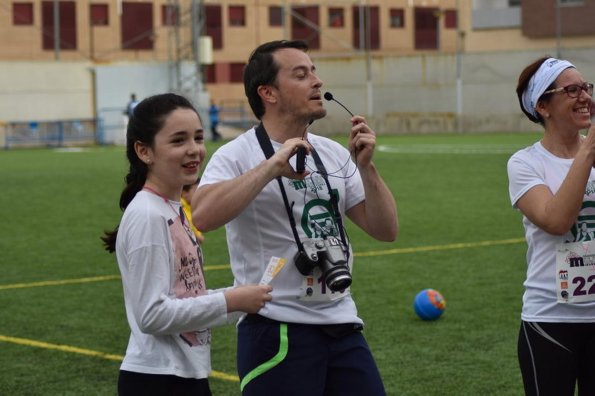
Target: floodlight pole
column 369, row 87
column 197, row 28
column 365, row 43
column 285, row 16
column 56, row 30
column 558, row 30
column 459, row 45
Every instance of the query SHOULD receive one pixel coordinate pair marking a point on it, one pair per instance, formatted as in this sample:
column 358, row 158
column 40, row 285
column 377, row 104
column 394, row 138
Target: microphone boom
column 329, row 96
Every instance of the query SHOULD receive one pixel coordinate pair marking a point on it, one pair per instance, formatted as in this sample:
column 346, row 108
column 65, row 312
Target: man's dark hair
column 262, row 70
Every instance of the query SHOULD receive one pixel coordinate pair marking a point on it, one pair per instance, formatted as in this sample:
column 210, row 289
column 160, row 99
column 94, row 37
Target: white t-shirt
column 528, row 168
column 168, row 306
column 263, row 231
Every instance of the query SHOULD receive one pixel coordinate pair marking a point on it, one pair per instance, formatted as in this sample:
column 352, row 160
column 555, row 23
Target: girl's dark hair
column 524, row 78
column 262, row 70
column 147, row 119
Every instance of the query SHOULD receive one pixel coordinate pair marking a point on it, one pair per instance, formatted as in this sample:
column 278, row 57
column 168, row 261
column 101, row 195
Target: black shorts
column 131, row 383
column 555, row 357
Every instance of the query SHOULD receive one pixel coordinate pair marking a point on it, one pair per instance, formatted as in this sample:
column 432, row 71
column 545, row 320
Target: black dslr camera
column 327, row 253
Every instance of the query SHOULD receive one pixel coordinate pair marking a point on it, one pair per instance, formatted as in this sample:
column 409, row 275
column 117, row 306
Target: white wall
column 410, row 94
column 115, row 83
column 45, row 91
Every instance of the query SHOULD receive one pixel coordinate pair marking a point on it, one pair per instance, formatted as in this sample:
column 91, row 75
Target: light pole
column 197, row 29
column 459, row 44
column 56, row 30
column 558, row 30
column 286, row 18
column 365, row 43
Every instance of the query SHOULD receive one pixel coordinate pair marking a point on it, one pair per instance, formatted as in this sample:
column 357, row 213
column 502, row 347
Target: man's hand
column 362, row 141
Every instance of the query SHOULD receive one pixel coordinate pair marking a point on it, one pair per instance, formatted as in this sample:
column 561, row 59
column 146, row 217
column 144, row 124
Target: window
column 137, row 26
column 22, row 13
column 514, row 3
column 236, row 72
column 209, row 74
column 304, row 20
column 425, row 28
column 169, row 15
column 237, row 15
column 450, row 19
column 275, row 16
column 213, row 25
column 99, row 15
column 397, row 17
column 67, row 29
column 570, row 2
column 336, row 19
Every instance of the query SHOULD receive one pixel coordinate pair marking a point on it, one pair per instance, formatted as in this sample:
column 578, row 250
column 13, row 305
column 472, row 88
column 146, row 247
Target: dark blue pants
column 295, row 359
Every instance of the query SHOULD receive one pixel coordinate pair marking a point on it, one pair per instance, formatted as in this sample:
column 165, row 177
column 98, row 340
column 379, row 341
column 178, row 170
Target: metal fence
column 49, row 133
column 108, row 128
column 237, row 114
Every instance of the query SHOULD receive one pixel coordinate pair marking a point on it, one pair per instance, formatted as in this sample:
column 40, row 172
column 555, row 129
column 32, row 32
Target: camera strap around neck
column 334, row 200
column 267, row 148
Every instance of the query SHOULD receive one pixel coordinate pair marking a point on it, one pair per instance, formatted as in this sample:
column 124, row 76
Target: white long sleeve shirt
column 168, row 306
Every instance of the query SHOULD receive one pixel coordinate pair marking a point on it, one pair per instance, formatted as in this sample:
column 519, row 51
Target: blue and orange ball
column 429, row 304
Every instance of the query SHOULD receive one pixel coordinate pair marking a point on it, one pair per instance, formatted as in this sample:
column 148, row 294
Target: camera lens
column 338, row 278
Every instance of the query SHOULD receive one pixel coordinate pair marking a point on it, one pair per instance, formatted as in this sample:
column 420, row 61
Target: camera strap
column 267, row 148
column 333, row 198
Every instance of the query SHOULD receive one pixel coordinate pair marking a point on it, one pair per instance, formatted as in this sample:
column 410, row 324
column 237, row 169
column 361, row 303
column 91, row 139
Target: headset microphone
column 329, row 96
column 300, row 163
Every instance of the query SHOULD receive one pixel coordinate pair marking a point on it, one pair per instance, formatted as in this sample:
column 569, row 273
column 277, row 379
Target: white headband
column 543, row 77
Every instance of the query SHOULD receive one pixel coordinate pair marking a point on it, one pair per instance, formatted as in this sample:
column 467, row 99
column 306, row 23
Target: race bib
column 575, row 272
column 314, row 288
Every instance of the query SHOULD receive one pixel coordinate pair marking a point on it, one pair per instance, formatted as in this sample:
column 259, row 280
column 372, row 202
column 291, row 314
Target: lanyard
column 181, row 214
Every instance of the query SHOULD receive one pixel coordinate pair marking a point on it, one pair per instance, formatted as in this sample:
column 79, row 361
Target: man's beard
column 318, row 114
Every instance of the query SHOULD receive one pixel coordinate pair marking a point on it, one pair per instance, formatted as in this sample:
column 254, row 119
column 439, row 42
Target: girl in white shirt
column 169, row 308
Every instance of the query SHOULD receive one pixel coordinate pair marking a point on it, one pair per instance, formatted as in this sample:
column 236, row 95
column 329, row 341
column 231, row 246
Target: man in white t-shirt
column 307, row 340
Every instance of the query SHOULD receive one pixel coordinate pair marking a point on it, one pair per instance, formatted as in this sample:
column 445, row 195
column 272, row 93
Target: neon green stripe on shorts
column 275, row 360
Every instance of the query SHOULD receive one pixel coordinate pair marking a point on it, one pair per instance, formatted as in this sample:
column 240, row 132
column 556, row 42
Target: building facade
column 217, row 36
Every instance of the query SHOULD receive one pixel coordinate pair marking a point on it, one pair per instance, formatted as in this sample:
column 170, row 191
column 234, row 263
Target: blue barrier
column 51, row 133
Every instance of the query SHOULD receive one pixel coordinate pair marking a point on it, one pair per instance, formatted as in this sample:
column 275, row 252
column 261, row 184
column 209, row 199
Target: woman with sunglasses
column 552, row 183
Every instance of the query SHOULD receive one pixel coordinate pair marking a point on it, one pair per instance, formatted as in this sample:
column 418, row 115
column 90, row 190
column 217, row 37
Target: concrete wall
column 418, row 94
column 409, row 94
column 115, row 83
column 45, row 90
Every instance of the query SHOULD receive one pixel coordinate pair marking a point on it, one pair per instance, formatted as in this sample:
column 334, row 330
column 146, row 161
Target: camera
column 326, row 253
